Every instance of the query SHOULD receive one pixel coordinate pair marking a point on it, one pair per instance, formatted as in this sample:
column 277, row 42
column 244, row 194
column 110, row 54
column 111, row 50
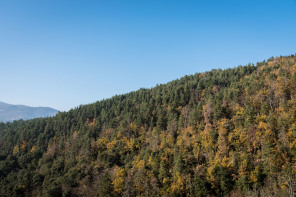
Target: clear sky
column 63, row 53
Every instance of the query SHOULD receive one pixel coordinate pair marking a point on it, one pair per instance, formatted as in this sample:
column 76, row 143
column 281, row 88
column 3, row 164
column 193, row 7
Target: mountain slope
column 10, row 113
column 220, row 133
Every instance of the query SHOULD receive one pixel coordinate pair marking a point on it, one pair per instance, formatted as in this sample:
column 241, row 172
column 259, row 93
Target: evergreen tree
column 105, row 188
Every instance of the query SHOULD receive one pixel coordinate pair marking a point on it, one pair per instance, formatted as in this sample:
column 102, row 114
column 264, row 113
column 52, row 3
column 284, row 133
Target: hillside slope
column 224, row 132
column 10, row 112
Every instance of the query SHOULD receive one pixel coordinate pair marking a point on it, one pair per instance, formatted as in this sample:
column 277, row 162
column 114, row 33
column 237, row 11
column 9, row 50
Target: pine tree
column 105, row 188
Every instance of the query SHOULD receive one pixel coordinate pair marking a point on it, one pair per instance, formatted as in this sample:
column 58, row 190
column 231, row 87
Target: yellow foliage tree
column 16, row 149
column 118, row 181
column 23, row 145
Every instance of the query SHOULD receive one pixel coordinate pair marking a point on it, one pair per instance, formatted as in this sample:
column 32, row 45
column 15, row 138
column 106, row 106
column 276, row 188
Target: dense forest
column 220, row 133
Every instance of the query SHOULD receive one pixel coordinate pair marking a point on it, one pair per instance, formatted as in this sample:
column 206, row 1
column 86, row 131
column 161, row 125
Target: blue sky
column 65, row 53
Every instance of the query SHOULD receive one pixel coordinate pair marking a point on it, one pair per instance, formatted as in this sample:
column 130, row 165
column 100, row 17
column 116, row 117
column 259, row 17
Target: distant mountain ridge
column 9, row 112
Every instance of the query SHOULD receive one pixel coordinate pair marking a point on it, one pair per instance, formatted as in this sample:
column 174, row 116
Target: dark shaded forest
column 220, row 133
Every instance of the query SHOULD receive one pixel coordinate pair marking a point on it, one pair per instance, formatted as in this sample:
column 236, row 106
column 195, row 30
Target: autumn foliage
column 220, row 133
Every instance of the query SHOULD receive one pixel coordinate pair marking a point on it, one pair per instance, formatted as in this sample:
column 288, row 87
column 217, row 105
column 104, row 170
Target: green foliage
column 105, row 188
column 220, row 133
column 201, row 187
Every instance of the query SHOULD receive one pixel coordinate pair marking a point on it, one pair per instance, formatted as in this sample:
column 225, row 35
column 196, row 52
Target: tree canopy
column 223, row 132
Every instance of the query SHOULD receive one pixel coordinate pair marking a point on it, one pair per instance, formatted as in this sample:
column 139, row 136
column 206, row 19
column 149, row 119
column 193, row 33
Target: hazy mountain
column 10, row 112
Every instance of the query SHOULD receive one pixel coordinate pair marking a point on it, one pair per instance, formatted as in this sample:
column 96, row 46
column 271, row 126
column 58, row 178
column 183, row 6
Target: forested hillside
column 220, row 133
